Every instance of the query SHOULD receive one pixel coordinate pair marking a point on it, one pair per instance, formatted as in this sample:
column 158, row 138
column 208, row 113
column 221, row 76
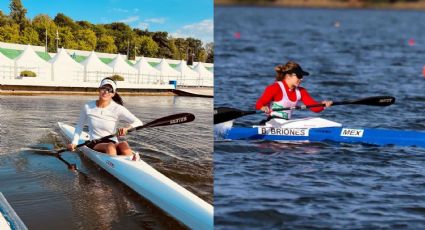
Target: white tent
column 146, row 73
column 206, row 77
column 94, row 69
column 187, row 77
column 29, row 60
column 167, row 72
column 122, row 68
column 7, row 67
column 65, row 69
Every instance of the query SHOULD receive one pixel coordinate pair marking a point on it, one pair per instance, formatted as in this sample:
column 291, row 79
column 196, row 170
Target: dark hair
column 281, row 70
column 117, row 98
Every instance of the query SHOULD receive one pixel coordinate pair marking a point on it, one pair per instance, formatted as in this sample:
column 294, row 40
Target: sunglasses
column 298, row 76
column 106, row 90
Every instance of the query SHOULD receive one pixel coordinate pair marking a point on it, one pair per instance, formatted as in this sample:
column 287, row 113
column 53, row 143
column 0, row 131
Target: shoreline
column 14, row 90
column 37, row 93
column 326, row 4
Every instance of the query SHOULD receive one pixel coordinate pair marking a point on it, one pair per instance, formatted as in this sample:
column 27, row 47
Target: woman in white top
column 102, row 116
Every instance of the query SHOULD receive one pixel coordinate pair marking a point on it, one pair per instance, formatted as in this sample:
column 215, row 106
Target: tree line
column 116, row 37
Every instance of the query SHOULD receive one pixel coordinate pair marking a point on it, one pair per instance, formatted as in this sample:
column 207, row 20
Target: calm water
column 46, row 195
column 269, row 185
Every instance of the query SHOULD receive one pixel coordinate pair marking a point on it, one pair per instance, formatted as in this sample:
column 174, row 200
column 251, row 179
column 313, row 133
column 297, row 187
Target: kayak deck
column 151, row 184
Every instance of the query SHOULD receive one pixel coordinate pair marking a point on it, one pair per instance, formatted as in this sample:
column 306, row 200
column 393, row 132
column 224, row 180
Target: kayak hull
column 371, row 136
column 151, row 184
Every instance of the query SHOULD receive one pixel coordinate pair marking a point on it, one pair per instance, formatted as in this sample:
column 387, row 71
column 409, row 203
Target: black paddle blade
column 375, row 101
column 174, row 119
column 223, row 114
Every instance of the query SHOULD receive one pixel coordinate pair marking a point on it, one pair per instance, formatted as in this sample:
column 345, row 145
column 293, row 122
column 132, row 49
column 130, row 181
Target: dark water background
column 46, row 195
column 269, row 185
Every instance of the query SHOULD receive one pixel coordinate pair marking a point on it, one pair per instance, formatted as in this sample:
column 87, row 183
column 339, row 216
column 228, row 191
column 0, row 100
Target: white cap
column 109, row 82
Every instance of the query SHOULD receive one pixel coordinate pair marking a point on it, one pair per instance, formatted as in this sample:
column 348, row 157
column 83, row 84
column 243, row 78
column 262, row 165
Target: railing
column 45, row 74
column 7, row 72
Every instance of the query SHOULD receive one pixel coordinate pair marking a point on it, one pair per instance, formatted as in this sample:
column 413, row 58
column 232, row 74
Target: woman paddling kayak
column 286, row 92
column 102, row 116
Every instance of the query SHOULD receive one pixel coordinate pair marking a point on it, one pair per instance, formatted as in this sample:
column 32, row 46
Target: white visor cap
column 109, row 82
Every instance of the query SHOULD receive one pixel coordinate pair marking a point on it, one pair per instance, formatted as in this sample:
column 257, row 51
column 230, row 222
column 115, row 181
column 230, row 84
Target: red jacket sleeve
column 308, row 100
column 268, row 95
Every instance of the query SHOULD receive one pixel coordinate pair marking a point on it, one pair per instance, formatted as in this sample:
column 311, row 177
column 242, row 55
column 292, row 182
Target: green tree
column 67, row 39
column 196, row 46
column 106, row 44
column 161, row 38
column 123, row 35
column 86, row 39
column 182, row 48
column 85, row 25
column 201, row 55
column 4, row 19
column 9, row 33
column 115, row 37
column 173, row 49
column 61, row 20
column 100, row 30
column 140, row 32
column 146, row 46
column 29, row 36
column 17, row 13
column 209, row 47
column 42, row 23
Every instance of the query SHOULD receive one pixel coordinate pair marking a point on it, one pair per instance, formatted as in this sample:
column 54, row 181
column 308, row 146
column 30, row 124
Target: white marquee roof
column 93, row 63
column 63, row 60
column 185, row 70
column 145, row 68
column 119, row 65
column 30, row 58
column 166, row 69
column 200, row 68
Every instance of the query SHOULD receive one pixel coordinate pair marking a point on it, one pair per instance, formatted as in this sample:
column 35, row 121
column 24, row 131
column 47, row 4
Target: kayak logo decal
column 110, row 164
column 283, row 131
column 178, row 120
column 386, row 100
column 352, row 132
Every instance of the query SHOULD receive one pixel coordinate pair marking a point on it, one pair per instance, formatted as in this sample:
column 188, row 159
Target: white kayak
column 175, row 200
column 9, row 220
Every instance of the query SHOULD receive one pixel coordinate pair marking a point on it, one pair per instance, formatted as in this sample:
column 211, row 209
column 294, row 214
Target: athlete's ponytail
column 117, row 98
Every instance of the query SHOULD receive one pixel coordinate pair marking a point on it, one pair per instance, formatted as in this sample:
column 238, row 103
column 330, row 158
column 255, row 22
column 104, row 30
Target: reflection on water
column 46, row 195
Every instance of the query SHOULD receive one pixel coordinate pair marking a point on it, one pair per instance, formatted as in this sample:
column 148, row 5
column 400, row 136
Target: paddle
column 174, row 119
column 223, row 114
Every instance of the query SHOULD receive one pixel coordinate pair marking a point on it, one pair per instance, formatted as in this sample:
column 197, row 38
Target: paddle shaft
column 373, row 101
column 223, row 114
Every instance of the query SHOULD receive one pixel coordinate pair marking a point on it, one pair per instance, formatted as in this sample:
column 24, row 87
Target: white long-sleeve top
column 103, row 121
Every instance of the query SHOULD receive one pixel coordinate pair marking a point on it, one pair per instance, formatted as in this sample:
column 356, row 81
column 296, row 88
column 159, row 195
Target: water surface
column 270, row 185
column 46, row 195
